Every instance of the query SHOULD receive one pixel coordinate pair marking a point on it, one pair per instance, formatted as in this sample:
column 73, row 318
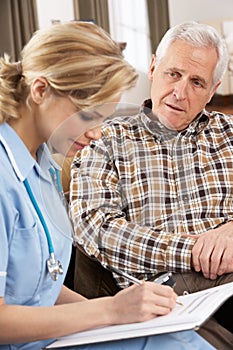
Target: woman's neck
column 26, row 131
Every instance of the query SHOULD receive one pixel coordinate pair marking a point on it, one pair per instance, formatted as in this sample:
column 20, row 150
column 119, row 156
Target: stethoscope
column 54, row 266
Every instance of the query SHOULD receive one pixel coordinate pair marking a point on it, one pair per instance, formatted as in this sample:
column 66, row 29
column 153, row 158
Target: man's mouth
column 174, row 107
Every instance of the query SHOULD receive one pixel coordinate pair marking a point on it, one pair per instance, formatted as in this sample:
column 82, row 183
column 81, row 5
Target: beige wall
column 199, row 10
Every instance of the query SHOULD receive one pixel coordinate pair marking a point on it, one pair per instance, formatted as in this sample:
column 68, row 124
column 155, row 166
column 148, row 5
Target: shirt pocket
column 25, row 265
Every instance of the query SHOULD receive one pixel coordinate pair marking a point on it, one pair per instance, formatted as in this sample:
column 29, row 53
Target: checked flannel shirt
column 141, row 186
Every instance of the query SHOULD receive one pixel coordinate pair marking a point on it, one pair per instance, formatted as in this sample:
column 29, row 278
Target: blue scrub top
column 24, row 278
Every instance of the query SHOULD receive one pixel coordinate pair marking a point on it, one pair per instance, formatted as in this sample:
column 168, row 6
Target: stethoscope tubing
column 40, row 215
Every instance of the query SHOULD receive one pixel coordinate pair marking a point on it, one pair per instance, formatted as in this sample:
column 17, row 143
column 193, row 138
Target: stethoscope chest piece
column 54, row 267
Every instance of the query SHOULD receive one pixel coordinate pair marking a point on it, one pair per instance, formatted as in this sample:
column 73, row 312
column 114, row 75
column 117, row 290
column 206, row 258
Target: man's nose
column 180, row 90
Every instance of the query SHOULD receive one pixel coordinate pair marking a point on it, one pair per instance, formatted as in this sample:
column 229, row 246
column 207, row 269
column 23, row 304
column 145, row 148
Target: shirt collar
column 155, row 127
column 19, row 156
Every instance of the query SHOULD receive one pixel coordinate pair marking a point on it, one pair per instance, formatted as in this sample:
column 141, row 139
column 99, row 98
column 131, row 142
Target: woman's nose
column 94, row 134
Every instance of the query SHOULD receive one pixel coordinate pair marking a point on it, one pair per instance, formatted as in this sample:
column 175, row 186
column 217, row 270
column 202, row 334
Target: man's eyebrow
column 176, row 69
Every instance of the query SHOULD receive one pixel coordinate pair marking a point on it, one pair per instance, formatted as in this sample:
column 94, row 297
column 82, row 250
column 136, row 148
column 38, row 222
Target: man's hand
column 213, row 251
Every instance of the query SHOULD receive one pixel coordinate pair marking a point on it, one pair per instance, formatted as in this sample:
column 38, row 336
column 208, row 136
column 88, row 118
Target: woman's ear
column 39, row 88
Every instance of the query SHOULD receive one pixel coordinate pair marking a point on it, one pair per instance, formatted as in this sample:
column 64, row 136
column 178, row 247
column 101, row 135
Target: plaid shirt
column 139, row 188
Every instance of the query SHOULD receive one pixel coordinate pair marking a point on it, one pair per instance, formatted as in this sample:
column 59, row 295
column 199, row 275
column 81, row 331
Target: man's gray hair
column 199, row 35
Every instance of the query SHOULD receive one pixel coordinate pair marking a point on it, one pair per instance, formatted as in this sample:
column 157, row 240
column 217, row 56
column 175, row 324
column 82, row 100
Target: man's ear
column 152, row 67
column 39, row 88
column 214, row 90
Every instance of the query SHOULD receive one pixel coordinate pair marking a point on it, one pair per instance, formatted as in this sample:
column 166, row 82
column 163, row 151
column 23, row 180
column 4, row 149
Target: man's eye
column 197, row 83
column 173, row 75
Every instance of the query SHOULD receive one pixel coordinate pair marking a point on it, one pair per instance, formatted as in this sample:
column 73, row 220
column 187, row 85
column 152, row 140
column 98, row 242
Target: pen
column 124, row 274
column 161, row 280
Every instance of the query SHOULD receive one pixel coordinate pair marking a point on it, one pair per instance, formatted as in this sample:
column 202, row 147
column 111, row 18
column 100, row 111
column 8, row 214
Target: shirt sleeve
column 98, row 210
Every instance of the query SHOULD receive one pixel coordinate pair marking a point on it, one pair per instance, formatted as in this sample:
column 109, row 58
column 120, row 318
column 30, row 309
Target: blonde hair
column 78, row 59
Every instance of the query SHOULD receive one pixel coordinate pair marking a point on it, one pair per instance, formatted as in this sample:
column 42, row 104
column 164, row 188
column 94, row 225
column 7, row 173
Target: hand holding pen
column 141, row 301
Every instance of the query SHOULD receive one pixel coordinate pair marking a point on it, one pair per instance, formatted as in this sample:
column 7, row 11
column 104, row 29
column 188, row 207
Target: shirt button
column 91, row 251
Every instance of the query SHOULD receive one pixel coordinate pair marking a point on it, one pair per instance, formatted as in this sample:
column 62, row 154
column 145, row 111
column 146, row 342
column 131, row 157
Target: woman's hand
column 142, row 302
